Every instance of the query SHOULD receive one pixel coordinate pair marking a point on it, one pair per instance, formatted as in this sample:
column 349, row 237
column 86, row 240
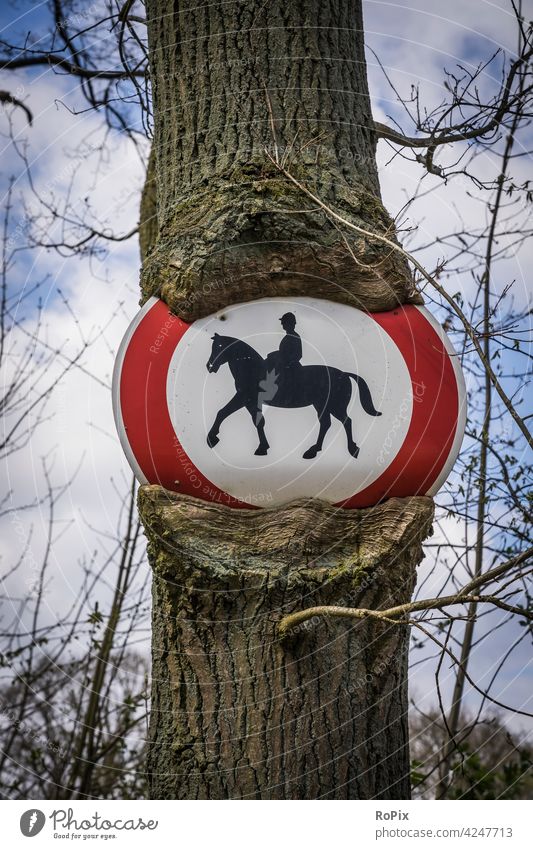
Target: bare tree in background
column 74, row 692
column 285, row 162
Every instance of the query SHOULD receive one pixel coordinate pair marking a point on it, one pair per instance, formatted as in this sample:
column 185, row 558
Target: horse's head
column 218, row 354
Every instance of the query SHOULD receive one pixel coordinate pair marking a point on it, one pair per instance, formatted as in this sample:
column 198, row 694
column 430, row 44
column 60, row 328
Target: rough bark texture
column 148, row 213
column 238, row 713
column 231, row 80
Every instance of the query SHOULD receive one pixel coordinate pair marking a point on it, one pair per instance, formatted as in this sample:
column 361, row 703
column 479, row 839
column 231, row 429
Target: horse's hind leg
column 341, row 413
column 325, row 424
column 258, row 419
column 231, row 407
column 353, row 448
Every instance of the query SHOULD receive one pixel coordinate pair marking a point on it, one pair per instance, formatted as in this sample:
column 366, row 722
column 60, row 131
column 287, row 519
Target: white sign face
column 312, row 428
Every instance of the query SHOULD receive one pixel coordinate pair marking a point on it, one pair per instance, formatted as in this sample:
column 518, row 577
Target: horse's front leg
column 325, row 424
column 231, row 407
column 256, row 412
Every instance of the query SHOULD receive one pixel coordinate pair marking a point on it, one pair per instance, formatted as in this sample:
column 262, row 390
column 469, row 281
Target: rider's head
column 288, row 321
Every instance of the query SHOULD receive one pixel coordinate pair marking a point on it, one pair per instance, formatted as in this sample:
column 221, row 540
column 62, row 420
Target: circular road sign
column 287, row 398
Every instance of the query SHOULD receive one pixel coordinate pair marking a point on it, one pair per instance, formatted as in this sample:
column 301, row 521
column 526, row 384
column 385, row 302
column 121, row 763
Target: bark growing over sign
column 240, row 713
column 230, row 81
column 237, row 712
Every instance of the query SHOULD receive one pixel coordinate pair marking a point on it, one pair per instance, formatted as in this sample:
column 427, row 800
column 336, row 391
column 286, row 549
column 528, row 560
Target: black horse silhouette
column 325, row 388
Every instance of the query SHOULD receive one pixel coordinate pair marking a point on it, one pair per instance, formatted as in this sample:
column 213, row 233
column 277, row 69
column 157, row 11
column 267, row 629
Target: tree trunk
column 239, row 87
column 240, row 714
column 236, row 81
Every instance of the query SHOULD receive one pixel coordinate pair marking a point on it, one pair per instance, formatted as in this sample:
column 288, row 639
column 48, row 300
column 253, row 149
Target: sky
column 414, row 42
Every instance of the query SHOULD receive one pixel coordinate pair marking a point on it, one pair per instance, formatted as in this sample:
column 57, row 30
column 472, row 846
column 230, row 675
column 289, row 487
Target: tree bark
column 148, row 212
column 236, row 711
column 232, row 81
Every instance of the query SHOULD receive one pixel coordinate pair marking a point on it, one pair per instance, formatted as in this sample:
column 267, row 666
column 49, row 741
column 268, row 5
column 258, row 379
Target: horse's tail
column 364, row 394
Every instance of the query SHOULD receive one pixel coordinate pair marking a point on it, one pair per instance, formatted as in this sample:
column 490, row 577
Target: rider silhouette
column 290, row 348
column 285, row 362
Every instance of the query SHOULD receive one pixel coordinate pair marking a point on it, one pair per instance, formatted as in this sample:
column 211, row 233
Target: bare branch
column 396, row 614
column 466, row 132
column 6, row 97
